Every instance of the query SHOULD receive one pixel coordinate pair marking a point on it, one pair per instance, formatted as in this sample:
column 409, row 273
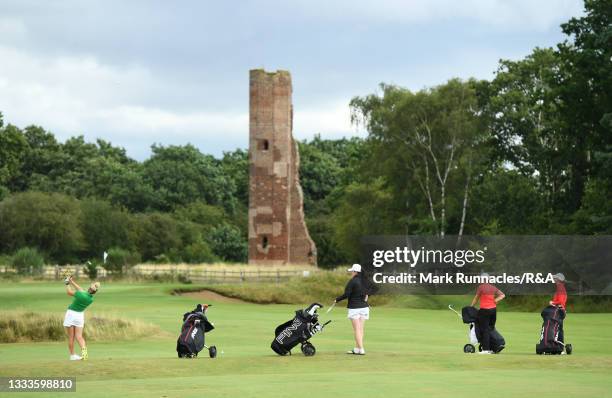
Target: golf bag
column 469, row 315
column 551, row 334
column 192, row 337
column 298, row 330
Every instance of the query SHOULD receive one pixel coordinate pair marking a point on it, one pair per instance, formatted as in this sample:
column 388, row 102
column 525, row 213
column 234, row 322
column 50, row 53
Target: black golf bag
column 551, row 334
column 298, row 330
column 192, row 337
column 469, row 315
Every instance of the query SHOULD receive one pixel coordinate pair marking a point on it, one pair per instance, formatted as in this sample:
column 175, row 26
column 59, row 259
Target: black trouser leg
column 486, row 319
column 560, row 337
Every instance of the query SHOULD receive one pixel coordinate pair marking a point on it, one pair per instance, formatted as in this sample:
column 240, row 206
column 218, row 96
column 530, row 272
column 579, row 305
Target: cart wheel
column 479, row 347
column 212, row 351
column 308, row 349
column 469, row 349
column 568, row 349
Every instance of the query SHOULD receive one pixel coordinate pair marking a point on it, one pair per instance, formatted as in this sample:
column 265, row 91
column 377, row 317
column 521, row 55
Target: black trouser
column 486, row 323
column 561, row 337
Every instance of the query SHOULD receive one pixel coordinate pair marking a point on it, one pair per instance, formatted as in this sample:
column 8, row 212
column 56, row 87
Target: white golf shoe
column 75, row 357
column 485, row 352
column 356, row 351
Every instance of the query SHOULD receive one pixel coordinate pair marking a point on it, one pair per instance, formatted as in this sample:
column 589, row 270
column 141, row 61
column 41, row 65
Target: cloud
column 133, row 73
column 12, row 29
column 331, row 120
column 525, row 14
column 80, row 95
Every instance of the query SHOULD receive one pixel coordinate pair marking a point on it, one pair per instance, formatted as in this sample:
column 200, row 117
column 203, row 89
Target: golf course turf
column 410, row 352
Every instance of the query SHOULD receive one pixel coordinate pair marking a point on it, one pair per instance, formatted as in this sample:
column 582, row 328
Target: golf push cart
column 469, row 316
column 298, row 330
column 191, row 339
column 551, row 335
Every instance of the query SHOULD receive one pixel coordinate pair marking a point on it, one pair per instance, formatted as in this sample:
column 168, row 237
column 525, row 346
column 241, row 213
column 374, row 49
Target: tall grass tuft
column 21, row 326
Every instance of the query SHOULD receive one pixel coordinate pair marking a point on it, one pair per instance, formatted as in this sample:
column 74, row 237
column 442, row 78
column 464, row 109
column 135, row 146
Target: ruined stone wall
column 277, row 231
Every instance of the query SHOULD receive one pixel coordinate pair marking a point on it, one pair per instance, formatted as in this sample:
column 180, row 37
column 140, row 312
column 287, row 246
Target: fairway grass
column 409, row 352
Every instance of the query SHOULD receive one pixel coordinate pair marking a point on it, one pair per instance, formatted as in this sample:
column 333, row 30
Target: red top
column 486, row 293
column 560, row 297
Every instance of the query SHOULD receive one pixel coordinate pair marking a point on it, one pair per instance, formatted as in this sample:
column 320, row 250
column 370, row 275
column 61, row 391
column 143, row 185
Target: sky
column 137, row 73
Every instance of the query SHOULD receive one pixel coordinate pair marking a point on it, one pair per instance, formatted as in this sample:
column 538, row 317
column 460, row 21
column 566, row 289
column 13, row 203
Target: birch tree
column 427, row 141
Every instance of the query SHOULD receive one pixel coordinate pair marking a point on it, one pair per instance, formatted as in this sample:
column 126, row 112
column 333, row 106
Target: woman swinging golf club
column 74, row 321
column 488, row 295
column 358, row 309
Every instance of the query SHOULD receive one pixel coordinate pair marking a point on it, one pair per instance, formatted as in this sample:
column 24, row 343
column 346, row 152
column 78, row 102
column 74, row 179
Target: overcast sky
column 142, row 72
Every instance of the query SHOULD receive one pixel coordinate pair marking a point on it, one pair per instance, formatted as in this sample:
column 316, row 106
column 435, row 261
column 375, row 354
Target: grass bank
column 324, row 286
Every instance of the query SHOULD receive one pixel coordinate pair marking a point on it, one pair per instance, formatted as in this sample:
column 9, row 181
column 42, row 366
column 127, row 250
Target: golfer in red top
column 489, row 296
column 560, row 297
column 560, row 300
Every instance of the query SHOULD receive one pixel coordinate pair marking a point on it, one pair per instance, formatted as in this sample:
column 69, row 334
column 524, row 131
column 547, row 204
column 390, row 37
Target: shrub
column 228, row 243
column 91, row 269
column 120, row 259
column 28, row 261
column 199, row 252
column 161, row 259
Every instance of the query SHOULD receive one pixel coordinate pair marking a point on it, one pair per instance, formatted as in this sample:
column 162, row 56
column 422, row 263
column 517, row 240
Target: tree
column 103, row 227
column 523, row 109
column 49, row 222
column 41, row 162
column 365, row 209
column 506, row 202
column 585, row 92
column 156, row 234
column 181, row 175
column 13, row 147
column 235, row 166
column 431, row 140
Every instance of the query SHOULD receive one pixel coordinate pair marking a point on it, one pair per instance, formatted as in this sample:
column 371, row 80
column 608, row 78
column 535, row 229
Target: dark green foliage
column 120, row 260
column 103, row 227
column 50, row 222
column 199, row 252
column 229, row 243
column 155, row 234
column 181, row 175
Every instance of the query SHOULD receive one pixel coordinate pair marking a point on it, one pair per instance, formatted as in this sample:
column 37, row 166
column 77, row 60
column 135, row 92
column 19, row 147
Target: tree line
column 529, row 152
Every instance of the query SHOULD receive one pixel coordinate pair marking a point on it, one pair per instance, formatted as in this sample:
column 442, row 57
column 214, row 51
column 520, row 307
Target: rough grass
column 21, row 326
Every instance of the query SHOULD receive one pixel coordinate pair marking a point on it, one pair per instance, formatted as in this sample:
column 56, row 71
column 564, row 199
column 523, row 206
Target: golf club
column 331, row 307
column 450, row 307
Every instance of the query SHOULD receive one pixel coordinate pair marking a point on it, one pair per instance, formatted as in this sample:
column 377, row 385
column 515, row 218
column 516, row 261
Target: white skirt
column 359, row 313
column 74, row 318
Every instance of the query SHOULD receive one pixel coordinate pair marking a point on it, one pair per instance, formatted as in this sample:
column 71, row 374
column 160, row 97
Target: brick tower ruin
column 277, row 231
